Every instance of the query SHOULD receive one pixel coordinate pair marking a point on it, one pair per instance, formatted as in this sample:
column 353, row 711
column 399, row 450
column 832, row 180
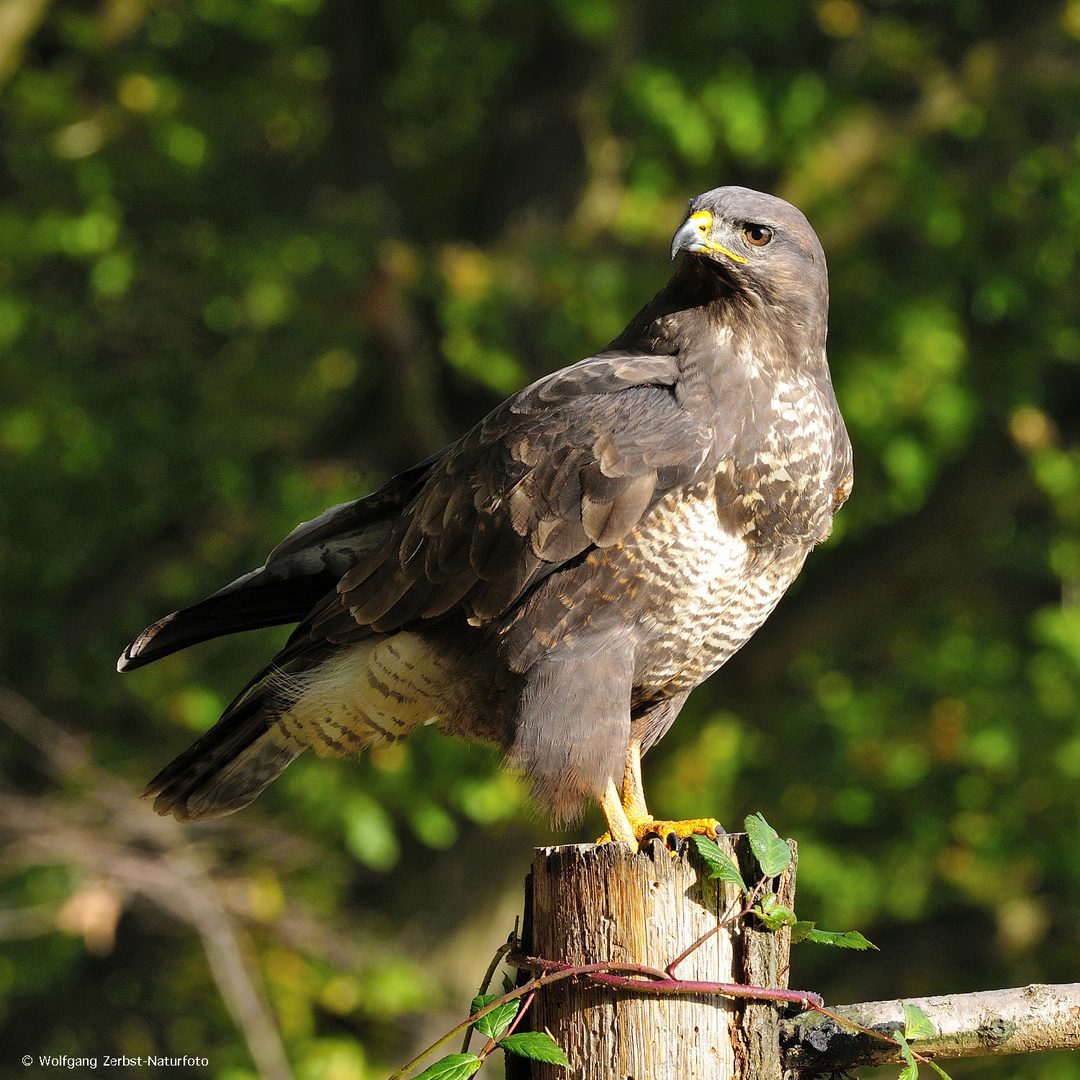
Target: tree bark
column 586, row 904
column 1020, row 1021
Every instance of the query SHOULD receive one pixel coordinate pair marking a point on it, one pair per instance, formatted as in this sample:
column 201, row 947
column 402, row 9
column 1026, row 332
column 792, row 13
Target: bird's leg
column 626, row 812
column 629, row 819
column 633, row 789
column 619, row 826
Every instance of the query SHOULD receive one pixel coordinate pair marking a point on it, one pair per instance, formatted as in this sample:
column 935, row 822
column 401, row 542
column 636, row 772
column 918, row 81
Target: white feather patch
column 380, row 689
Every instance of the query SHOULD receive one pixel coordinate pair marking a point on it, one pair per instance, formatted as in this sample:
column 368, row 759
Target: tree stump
column 587, row 903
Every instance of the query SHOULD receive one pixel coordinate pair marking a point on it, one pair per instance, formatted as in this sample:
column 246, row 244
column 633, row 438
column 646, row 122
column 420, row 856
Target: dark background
column 256, row 255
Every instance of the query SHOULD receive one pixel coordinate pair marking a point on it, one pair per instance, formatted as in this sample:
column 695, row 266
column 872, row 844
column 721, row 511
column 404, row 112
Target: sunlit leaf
column 917, row 1025
column 537, row 1045
column 494, row 1023
column 848, row 939
column 911, row 1066
column 451, row 1067
column 772, row 853
column 721, row 866
column 774, row 915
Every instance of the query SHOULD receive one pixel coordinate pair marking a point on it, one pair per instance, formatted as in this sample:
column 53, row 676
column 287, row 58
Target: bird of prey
column 558, row 580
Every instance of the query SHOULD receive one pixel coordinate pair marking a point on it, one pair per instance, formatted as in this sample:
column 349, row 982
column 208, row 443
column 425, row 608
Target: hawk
column 558, row 580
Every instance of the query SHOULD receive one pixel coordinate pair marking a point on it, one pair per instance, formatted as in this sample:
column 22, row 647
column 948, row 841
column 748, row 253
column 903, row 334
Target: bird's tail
column 227, row 767
column 336, row 699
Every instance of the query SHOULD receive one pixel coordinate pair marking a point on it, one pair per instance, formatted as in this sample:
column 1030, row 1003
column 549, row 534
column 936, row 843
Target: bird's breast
column 705, row 588
column 778, row 484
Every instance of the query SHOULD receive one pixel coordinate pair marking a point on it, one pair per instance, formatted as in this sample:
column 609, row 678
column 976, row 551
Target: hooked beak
column 694, row 237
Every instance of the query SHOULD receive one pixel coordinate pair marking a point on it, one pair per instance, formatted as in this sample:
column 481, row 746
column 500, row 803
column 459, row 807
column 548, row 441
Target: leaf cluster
column 773, row 857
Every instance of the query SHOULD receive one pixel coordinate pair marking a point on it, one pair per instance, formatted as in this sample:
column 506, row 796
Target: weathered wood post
column 586, row 904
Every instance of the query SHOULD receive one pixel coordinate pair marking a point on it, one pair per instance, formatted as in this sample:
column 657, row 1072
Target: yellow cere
column 703, row 221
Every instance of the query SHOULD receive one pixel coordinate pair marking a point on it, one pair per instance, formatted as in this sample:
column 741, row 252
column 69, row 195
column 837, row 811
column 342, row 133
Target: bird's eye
column 758, row 235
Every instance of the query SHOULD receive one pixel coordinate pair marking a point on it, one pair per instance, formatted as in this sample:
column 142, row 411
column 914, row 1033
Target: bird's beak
column 694, row 237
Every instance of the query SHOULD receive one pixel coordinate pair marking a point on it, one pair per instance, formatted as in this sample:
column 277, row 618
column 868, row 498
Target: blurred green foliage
column 256, row 255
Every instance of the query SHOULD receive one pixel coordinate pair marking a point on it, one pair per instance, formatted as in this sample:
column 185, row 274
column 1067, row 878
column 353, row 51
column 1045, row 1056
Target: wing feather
column 298, row 573
column 570, row 463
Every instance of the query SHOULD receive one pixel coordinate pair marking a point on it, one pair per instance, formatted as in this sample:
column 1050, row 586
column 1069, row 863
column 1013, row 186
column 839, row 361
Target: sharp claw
column 672, row 834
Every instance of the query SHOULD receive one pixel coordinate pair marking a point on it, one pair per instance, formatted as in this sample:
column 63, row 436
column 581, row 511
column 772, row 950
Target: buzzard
column 558, row 580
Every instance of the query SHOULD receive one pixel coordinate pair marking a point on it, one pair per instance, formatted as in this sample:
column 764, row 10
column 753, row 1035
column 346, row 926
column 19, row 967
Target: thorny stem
column 521, row 1012
column 868, row 1031
column 500, row 952
column 751, row 900
column 661, row 983
column 546, row 967
column 617, row 975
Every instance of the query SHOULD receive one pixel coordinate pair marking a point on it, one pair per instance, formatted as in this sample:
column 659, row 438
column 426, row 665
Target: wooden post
column 587, row 903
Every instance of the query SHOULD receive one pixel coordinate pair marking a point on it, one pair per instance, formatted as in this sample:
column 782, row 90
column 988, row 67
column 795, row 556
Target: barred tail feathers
column 378, row 690
column 226, row 768
column 375, row 691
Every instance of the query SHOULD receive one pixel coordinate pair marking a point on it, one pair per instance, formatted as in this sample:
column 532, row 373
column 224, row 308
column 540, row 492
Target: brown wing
column 569, row 463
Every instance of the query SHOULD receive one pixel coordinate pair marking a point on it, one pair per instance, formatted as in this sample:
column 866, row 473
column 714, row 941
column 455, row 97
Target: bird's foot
column 670, row 833
column 673, row 833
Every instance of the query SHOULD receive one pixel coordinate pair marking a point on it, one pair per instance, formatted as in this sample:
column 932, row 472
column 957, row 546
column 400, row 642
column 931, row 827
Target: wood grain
column 590, row 903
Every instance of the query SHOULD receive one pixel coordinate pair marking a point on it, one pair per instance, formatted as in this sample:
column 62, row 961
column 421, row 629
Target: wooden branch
column 1018, row 1021
column 175, row 878
column 63, row 754
column 178, row 885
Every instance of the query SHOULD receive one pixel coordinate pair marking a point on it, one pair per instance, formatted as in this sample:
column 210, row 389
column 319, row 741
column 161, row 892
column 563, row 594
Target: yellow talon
column 702, row 826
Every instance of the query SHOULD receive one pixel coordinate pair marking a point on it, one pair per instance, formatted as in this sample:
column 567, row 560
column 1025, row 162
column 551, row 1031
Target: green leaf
column 774, row 915
column 801, row 930
column 537, row 1045
column 720, row 865
column 508, row 983
column 917, row 1025
column 498, row 1020
column 451, row 1067
column 772, row 853
column 849, row 939
column 911, row 1066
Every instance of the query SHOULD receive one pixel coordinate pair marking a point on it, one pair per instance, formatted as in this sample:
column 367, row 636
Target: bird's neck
column 699, row 304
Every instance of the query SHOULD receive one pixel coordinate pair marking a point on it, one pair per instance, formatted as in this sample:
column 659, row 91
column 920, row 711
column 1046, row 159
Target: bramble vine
column 496, row 1017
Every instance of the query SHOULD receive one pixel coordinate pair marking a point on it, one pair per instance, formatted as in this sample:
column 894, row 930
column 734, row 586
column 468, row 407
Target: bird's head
column 756, row 244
